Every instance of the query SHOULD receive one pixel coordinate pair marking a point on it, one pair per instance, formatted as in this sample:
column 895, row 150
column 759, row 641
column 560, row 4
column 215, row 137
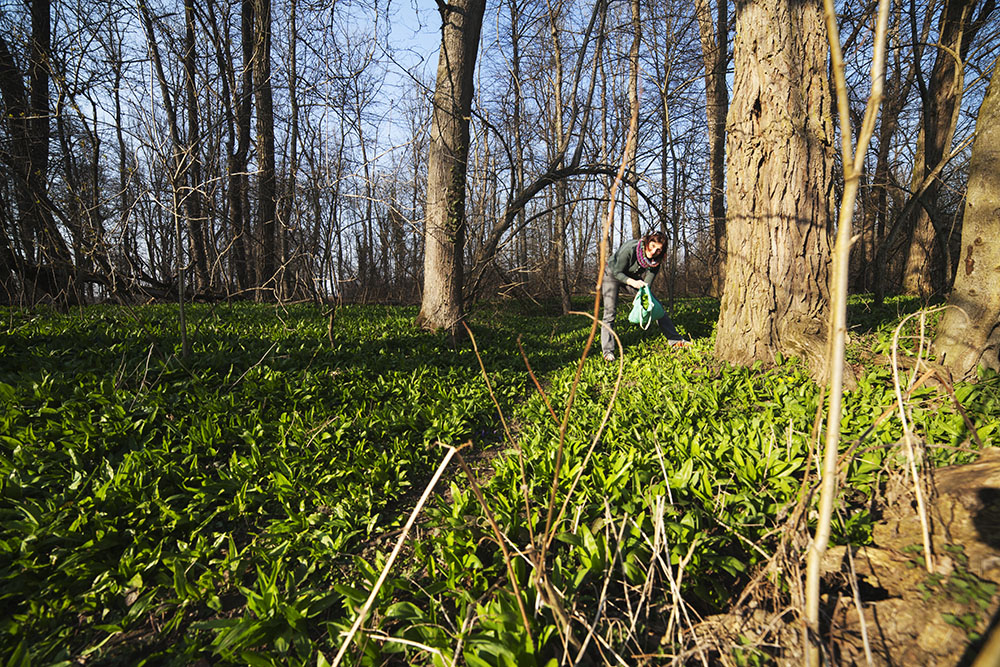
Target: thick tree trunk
column 888, row 235
column 239, row 209
column 969, row 332
column 776, row 295
column 715, row 47
column 444, row 215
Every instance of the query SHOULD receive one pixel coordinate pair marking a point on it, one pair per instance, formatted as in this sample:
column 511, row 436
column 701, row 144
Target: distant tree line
column 278, row 150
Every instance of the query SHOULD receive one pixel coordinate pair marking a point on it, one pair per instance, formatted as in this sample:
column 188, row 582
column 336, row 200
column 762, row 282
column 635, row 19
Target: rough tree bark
column 239, row 200
column 776, row 295
column 444, row 214
column 969, row 333
column 715, row 48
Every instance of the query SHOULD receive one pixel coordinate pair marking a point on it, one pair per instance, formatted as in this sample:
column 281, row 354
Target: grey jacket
column 624, row 264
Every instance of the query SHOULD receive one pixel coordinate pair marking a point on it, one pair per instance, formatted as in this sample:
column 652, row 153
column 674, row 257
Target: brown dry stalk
column 908, row 445
column 510, row 438
column 503, row 546
column 538, row 386
column 602, row 254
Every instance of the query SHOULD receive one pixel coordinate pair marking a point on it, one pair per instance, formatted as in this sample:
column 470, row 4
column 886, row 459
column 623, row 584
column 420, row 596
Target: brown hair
column 655, row 235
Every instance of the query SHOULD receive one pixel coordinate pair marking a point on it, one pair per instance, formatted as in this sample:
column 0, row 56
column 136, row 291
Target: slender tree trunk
column 715, row 47
column 176, row 167
column 776, row 295
column 193, row 197
column 266, row 191
column 125, row 203
column 517, row 173
column 441, row 307
column 366, row 244
column 633, row 101
column 289, row 201
column 239, row 211
column 969, row 332
column 557, row 143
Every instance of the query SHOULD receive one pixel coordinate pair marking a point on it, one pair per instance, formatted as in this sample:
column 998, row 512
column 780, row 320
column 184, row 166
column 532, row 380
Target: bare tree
column 444, row 215
column 266, row 187
column 196, row 226
column 46, row 268
column 715, row 47
column 928, row 256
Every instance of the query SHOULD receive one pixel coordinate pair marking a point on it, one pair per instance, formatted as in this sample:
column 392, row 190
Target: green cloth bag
column 645, row 308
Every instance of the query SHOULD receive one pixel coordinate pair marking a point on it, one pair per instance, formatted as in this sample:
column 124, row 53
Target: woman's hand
column 635, row 284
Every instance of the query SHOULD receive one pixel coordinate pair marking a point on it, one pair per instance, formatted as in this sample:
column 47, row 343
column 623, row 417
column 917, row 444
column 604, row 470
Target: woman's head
column 654, row 243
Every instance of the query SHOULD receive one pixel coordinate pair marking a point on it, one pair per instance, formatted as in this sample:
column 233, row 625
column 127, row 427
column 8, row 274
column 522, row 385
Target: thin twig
column 910, row 454
column 853, row 579
column 534, row 379
column 604, row 589
column 853, row 162
column 363, row 613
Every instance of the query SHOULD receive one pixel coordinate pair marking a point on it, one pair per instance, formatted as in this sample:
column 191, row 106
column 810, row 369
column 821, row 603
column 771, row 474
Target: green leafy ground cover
column 238, row 507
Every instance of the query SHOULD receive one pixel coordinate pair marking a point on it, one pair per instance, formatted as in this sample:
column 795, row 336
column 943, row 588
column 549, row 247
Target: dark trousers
column 609, row 295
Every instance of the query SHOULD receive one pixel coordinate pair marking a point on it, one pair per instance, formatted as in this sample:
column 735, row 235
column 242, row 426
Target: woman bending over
column 635, row 264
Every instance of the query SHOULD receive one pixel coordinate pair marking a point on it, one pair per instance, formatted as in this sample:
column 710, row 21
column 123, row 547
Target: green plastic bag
column 645, row 308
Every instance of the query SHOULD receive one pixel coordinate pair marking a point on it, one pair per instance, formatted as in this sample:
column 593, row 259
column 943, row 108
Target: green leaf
column 20, row 656
column 406, row 611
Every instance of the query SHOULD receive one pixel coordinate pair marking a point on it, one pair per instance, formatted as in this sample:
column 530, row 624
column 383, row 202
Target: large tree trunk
column 969, row 333
column 926, row 261
column 715, row 47
column 444, row 215
column 779, row 212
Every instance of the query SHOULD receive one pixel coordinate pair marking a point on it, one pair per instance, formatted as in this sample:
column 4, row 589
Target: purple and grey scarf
column 644, row 262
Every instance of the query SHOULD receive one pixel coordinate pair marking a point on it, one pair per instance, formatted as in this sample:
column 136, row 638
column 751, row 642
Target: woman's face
column 654, row 249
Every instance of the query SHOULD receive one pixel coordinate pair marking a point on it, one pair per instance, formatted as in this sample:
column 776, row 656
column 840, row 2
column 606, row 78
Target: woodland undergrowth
column 239, row 507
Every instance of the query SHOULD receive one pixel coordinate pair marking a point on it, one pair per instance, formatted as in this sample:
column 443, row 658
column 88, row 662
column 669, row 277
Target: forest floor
column 238, row 506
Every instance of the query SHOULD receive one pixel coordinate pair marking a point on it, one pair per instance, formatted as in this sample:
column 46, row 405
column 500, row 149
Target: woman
column 635, row 264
